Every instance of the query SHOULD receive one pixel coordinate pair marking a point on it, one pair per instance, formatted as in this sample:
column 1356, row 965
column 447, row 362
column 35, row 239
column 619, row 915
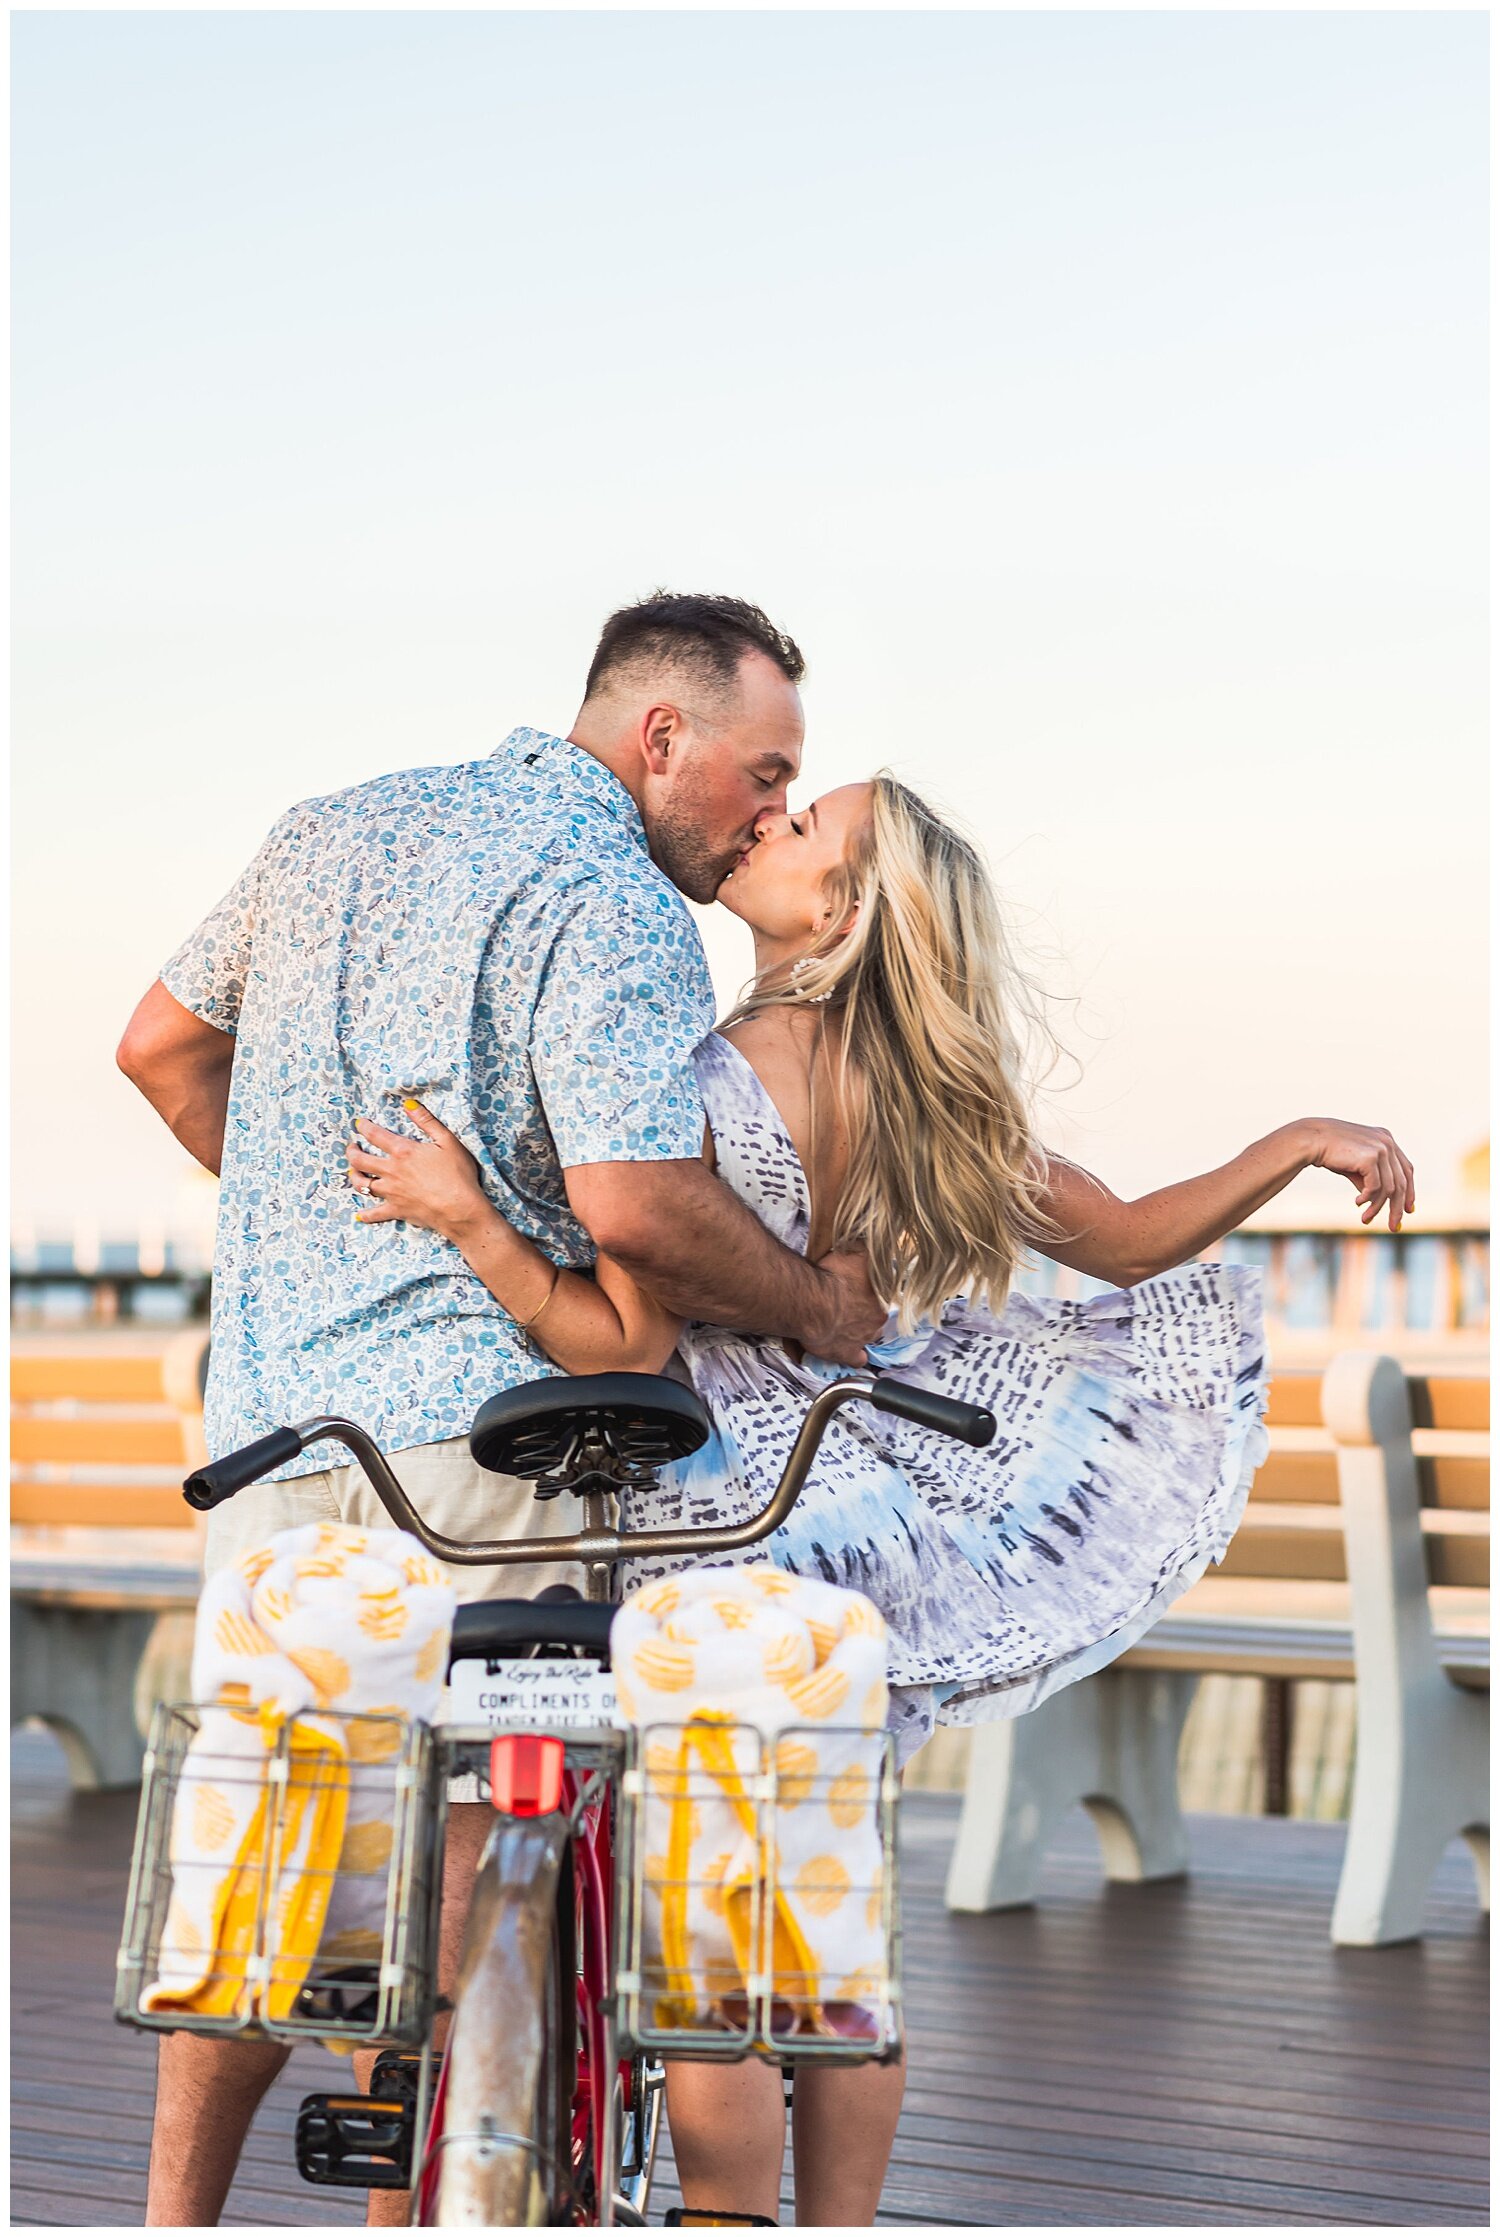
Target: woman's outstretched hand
column 432, row 1183
column 1370, row 1158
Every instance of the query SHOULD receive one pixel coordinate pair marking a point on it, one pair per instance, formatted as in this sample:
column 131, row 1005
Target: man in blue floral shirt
column 504, row 940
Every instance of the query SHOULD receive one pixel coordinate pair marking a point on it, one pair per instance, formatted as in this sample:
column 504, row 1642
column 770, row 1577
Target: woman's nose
column 770, row 823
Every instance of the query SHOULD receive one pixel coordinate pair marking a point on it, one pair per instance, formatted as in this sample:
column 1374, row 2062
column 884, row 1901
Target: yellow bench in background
column 1363, row 1555
column 105, row 1552
column 103, row 1439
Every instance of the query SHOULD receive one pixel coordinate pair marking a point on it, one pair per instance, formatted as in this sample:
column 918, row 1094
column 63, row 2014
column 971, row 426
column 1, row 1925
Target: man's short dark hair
column 706, row 635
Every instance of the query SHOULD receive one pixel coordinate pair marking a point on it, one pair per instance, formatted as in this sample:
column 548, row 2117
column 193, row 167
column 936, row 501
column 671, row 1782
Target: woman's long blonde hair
column 944, row 1174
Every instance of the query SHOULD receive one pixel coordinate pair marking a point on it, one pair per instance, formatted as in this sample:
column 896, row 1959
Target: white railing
column 1432, row 1281
column 1429, row 1281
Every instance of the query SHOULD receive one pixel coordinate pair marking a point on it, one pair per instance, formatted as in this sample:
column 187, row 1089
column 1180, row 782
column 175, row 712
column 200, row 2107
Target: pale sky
column 1099, row 399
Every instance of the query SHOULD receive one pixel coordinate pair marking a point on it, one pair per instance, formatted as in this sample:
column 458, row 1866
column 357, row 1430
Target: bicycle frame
column 599, row 2073
column 599, row 1545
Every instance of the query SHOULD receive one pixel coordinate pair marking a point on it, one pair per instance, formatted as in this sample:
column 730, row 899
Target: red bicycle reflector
column 526, row 1774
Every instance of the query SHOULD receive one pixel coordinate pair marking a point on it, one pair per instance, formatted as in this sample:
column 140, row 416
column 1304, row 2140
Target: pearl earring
column 800, row 970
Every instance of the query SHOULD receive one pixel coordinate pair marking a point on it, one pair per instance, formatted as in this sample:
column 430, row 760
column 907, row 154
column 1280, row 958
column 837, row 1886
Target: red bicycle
column 543, row 2108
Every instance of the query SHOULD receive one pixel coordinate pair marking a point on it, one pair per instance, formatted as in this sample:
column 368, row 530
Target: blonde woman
column 867, row 1094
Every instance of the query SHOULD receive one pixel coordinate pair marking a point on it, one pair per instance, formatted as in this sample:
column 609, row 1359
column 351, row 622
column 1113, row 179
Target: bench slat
column 1295, row 1402
column 1450, row 1401
column 39, row 1437
column 1300, row 1477
column 1438, row 1401
column 1273, row 1652
column 1458, row 1559
column 119, row 1378
column 1288, row 1540
column 75, row 1583
column 1264, row 1653
column 1297, row 1628
column 1454, row 1481
column 1299, row 1540
column 1461, row 1614
column 102, row 1506
column 1294, row 1471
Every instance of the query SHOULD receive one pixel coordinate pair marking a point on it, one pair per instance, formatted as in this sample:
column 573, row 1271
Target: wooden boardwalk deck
column 1191, row 2054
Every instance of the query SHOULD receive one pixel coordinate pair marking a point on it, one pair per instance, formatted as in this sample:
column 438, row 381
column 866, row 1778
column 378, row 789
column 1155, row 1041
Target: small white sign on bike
column 522, row 1696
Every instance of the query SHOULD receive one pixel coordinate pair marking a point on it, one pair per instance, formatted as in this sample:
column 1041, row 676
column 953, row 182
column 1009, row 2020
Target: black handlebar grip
column 951, row 1417
column 210, row 1486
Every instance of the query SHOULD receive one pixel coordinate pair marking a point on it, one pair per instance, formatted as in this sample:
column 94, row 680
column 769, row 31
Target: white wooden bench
column 105, row 1554
column 1414, row 1530
column 1364, row 1555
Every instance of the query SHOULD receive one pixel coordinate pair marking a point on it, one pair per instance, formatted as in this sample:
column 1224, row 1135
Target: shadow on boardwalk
column 1192, row 2053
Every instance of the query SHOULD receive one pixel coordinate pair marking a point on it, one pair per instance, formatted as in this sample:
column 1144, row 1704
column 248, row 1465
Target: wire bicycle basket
column 758, row 1898
column 285, row 1879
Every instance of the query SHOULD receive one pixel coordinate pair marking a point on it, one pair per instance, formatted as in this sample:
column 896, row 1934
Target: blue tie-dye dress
column 1129, row 1429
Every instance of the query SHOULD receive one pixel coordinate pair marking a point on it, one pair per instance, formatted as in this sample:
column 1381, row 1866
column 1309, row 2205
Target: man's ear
column 661, row 733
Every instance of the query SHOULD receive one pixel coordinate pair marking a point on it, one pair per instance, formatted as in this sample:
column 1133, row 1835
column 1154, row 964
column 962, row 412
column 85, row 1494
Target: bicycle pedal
column 397, row 2074
column 360, row 2143
column 693, row 2217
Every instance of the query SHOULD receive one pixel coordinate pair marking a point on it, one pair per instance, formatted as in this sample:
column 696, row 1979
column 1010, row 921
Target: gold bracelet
column 546, row 1301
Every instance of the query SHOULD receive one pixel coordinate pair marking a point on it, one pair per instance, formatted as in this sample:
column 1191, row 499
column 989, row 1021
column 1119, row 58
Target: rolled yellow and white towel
column 321, row 1626
column 728, row 1672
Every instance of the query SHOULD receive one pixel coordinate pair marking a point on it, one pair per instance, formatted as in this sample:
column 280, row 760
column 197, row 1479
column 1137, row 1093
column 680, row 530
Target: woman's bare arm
column 587, row 1324
column 1126, row 1242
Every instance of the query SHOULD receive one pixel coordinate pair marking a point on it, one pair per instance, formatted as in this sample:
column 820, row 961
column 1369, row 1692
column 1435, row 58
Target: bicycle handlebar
column 599, row 1541
column 219, row 1480
column 930, row 1409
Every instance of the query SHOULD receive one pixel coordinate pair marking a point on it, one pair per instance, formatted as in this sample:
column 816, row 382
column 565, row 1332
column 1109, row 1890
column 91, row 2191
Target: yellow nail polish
column 408, row 1103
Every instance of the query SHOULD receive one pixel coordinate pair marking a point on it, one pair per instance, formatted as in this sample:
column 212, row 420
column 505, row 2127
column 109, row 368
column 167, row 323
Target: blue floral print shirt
column 495, row 939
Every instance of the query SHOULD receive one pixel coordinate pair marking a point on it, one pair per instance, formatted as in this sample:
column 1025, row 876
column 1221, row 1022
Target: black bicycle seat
column 583, row 1432
column 486, row 1630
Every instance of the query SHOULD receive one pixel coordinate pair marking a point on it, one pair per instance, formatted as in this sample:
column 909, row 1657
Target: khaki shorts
column 450, row 1491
